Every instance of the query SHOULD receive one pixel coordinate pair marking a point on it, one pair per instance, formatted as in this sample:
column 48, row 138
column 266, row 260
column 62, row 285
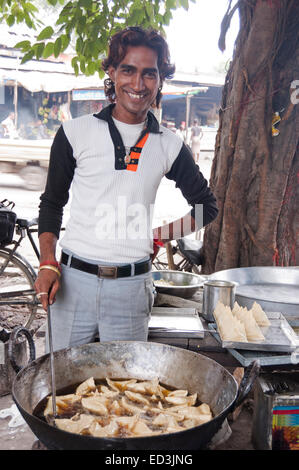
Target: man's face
column 136, row 81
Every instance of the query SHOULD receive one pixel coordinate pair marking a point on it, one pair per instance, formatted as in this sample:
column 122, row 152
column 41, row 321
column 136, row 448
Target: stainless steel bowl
column 185, row 284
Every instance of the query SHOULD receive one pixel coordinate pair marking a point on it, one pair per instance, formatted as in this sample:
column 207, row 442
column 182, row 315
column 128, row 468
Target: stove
column 276, row 411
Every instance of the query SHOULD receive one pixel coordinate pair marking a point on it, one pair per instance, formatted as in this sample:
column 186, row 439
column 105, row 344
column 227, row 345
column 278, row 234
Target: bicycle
column 183, row 254
column 18, row 302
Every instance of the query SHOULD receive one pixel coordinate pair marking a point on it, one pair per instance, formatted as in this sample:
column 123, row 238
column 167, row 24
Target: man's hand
column 46, row 286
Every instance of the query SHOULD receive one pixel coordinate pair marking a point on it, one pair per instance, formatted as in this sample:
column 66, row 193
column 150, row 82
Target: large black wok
column 173, row 366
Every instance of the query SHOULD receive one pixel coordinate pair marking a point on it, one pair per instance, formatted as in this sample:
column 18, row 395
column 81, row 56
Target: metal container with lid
column 214, row 291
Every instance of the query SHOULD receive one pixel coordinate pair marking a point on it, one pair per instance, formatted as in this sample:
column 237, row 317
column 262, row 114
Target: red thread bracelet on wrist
column 51, row 263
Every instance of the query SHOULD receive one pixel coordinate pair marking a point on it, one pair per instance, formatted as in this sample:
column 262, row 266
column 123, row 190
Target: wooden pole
column 169, row 253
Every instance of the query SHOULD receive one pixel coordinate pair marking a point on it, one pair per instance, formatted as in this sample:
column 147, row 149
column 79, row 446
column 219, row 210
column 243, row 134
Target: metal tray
column 175, row 323
column 265, row 358
column 276, row 289
column 279, row 336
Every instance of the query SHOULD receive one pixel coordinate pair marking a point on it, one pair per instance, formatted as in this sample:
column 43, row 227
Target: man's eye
column 150, row 74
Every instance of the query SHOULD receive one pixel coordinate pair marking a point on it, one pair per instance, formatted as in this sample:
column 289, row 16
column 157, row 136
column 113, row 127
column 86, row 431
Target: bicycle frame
column 22, row 231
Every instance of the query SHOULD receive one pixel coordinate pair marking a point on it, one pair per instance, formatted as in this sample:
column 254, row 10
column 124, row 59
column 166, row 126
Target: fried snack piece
column 137, row 397
column 86, row 387
column 96, row 405
column 62, row 404
column 76, row 424
column 142, row 429
column 252, row 329
column 120, row 385
column 110, row 430
column 229, row 328
column 179, row 400
column 129, row 408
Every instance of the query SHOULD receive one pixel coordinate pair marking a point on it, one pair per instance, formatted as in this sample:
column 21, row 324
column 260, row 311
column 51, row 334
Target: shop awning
column 49, row 82
column 170, row 91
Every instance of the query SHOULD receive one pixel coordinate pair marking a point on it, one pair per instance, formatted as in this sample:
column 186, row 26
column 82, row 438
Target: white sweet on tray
column 240, row 324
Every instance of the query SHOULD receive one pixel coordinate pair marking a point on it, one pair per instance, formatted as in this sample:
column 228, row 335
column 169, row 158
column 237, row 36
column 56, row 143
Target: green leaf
column 171, row 4
column 57, row 47
column 101, row 73
column 46, row 33
column 81, row 24
column 49, row 49
column 30, row 7
column 39, row 50
column 66, row 9
column 185, row 4
column 167, row 17
column 27, row 56
column 10, row 20
column 79, row 45
column 75, row 65
column 82, row 64
column 86, row 4
column 65, row 40
column 91, row 67
column 20, row 16
column 24, row 45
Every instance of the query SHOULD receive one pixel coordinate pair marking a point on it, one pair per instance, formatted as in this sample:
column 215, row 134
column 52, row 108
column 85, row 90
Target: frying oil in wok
column 128, row 412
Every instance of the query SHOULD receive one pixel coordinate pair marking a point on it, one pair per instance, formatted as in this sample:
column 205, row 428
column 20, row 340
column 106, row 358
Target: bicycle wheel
column 18, row 305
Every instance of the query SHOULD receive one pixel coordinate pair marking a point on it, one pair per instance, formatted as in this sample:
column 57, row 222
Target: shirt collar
column 106, row 115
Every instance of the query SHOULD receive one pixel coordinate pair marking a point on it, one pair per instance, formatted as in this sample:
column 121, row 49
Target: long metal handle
column 52, row 364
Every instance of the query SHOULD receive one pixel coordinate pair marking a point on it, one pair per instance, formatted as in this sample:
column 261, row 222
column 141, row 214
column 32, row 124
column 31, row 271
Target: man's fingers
column 53, row 291
column 46, row 287
column 43, row 298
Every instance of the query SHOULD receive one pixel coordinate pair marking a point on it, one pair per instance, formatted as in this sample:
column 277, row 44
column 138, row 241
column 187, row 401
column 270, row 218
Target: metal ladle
column 52, row 368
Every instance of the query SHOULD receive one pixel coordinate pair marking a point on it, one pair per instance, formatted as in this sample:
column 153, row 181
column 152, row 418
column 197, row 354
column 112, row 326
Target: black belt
column 107, row 272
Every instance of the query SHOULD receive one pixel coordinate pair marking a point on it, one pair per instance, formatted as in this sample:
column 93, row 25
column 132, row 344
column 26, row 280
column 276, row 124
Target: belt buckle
column 107, row 272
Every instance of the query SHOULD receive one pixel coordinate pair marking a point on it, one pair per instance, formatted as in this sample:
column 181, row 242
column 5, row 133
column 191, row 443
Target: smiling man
column 115, row 161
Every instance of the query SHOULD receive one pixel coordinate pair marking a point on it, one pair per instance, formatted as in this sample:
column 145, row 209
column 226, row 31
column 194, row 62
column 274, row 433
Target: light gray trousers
column 87, row 306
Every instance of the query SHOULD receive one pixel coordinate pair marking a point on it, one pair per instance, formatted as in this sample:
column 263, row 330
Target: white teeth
column 132, row 95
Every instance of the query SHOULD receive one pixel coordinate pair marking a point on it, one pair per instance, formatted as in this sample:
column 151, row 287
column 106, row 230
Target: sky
column 193, row 36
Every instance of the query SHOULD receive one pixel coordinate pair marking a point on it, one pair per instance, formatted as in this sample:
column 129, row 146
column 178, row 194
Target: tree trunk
column 255, row 174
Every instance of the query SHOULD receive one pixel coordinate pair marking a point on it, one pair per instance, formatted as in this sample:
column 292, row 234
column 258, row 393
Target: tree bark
column 254, row 174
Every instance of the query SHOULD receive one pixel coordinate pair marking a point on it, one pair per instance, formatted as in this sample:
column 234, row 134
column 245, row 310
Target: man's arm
column 60, row 174
column 177, row 229
column 47, row 280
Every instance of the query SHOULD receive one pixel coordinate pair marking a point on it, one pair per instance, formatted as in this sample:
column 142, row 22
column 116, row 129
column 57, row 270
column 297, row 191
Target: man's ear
column 156, row 103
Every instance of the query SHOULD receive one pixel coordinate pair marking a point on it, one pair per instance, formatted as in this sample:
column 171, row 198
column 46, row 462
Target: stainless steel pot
column 173, row 366
column 214, row 291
